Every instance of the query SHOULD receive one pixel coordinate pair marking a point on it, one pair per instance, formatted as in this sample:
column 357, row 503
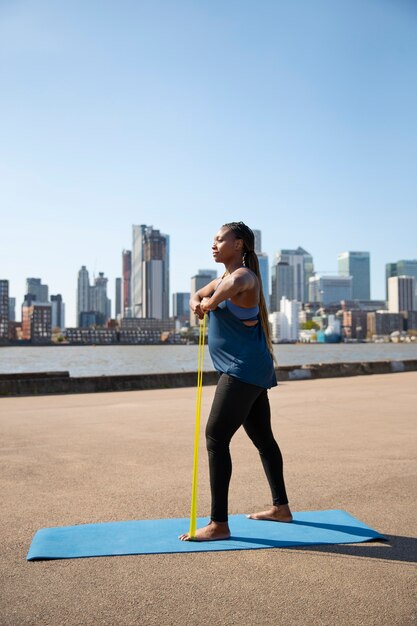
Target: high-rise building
column 118, row 298
column 199, row 280
column 330, row 289
column 57, row 312
column 407, row 268
column 150, row 273
column 284, row 323
column 400, row 268
column 180, row 306
column 137, row 270
column 390, row 270
column 281, row 283
column 100, row 303
column 290, row 275
column 37, row 322
column 12, row 309
column 127, row 273
column 263, row 261
column 4, row 310
column 258, row 241
column 357, row 265
column 35, row 287
column 83, row 293
column 401, row 294
column 92, row 300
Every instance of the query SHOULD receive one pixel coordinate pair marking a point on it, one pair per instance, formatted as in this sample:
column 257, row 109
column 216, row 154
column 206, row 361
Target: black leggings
column 235, row 404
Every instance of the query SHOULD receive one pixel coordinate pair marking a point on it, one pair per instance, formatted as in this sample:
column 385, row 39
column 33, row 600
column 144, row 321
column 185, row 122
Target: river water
column 114, row 360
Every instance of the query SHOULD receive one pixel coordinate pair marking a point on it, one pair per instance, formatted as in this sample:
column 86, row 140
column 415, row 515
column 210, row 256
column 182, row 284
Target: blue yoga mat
column 161, row 536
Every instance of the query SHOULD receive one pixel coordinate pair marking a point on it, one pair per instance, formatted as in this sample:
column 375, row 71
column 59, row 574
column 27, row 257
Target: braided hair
column 250, row 260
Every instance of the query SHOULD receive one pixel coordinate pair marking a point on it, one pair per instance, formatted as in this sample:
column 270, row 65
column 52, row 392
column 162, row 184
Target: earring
column 244, row 259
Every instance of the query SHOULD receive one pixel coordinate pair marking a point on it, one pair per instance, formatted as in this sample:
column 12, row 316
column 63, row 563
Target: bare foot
column 212, row 532
column 279, row 513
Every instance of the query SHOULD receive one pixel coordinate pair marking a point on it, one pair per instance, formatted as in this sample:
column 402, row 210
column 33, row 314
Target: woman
column 241, row 351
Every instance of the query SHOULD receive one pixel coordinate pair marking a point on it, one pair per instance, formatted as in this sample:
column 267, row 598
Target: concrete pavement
column 348, row 443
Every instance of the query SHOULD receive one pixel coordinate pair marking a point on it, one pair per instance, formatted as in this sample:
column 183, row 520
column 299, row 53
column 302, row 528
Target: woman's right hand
column 195, row 303
column 197, row 310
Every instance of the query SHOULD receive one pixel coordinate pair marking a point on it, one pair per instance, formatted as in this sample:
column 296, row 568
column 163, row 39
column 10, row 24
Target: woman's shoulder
column 244, row 271
column 247, row 275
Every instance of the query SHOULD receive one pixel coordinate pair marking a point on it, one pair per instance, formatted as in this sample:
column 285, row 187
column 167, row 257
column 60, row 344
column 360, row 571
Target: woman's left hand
column 205, row 306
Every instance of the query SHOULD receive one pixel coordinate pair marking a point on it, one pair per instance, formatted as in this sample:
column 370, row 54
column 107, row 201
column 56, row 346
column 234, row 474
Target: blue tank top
column 239, row 350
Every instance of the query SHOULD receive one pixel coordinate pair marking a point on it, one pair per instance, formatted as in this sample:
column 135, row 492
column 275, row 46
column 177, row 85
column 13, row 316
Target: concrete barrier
column 52, row 383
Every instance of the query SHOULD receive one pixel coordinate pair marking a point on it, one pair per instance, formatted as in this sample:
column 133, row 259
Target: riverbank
column 348, row 443
column 51, row 383
column 133, row 360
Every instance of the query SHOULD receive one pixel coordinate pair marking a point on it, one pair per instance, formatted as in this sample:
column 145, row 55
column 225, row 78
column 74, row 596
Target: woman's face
column 225, row 246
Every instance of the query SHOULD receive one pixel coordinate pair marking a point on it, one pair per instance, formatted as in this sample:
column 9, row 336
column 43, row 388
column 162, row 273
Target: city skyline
column 111, row 293
column 297, row 118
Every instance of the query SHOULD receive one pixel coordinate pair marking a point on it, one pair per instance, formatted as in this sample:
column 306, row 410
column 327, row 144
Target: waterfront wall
column 52, row 383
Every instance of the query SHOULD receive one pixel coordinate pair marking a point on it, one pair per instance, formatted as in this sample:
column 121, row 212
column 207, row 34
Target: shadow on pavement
column 395, row 548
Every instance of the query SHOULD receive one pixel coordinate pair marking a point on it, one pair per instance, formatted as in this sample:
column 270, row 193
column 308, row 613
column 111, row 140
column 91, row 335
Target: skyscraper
column 150, row 273
column 83, row 293
column 258, row 241
column 118, row 297
column 407, row 268
column 357, row 265
column 199, row 280
column 180, row 306
column 100, row 303
column 137, row 261
column 58, row 312
column 401, row 294
column 290, row 276
column 35, row 288
column 12, row 309
column 263, row 261
column 390, row 270
column 93, row 305
column 400, row 268
column 330, row 289
column 127, row 273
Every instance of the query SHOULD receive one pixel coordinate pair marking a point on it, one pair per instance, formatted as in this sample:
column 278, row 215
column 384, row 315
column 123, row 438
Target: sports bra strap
column 243, row 313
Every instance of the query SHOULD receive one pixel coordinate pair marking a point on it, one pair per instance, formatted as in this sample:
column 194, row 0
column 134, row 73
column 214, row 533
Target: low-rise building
column 383, row 323
column 147, row 323
column 355, row 325
column 410, row 320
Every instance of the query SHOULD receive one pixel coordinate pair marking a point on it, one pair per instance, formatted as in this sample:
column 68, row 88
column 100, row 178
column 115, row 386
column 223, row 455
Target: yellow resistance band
column 200, row 358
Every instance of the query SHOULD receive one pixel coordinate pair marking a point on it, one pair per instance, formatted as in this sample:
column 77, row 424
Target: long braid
column 242, row 231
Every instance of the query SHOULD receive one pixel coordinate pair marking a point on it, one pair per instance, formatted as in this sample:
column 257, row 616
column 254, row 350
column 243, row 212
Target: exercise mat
column 161, row 536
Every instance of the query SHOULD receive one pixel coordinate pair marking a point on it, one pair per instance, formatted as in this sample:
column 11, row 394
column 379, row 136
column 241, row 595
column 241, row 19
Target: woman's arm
column 197, row 297
column 241, row 280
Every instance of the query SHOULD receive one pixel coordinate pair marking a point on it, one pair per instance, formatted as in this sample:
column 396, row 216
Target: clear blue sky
column 298, row 117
